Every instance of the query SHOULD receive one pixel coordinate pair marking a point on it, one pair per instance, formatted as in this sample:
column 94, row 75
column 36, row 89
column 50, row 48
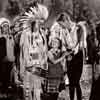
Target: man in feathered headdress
column 7, row 57
column 33, row 53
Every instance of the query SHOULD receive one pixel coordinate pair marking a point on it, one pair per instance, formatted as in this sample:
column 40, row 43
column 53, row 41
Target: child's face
column 55, row 43
column 36, row 26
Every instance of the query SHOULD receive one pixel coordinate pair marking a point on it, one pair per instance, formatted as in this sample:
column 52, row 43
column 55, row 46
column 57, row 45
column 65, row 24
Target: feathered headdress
column 4, row 21
column 39, row 12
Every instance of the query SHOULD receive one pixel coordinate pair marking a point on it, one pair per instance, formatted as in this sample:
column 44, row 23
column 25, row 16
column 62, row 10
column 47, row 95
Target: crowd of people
column 40, row 59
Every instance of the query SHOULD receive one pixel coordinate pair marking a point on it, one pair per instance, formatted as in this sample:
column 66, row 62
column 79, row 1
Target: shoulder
column 81, row 24
column 55, row 24
column 23, row 38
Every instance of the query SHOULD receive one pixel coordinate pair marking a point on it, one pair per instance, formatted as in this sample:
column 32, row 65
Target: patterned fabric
column 70, row 38
column 53, row 85
column 32, row 84
column 33, row 51
column 55, row 73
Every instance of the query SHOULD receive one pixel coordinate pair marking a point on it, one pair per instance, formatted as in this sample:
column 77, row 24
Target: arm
column 22, row 67
column 55, row 61
column 62, row 57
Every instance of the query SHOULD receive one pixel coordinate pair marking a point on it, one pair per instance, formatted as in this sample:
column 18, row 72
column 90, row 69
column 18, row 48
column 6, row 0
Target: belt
column 37, row 70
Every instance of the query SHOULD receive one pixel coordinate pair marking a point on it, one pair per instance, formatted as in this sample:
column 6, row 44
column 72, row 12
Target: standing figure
column 77, row 37
column 55, row 68
column 17, row 31
column 73, row 37
column 33, row 60
column 7, row 56
column 33, row 51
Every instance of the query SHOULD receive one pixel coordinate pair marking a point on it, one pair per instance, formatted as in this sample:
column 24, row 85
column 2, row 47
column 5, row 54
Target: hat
column 42, row 14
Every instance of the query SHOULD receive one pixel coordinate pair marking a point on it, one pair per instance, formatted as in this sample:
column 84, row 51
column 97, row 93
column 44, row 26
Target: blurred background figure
column 7, row 56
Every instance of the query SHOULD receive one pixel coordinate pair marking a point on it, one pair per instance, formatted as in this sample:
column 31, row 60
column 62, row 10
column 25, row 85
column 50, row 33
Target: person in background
column 17, row 31
column 7, row 56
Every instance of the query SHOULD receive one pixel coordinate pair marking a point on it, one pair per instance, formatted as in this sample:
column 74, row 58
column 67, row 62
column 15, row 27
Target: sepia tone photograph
column 49, row 50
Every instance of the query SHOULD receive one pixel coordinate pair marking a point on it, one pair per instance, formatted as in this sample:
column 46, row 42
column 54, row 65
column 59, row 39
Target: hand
column 68, row 53
column 22, row 77
column 69, row 58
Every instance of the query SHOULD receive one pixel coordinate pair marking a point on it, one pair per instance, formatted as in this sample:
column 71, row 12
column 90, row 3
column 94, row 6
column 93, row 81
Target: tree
column 13, row 8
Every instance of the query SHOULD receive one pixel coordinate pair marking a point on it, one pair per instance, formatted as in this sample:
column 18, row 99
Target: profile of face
column 64, row 21
column 5, row 28
column 55, row 43
column 67, row 23
column 34, row 26
column 16, row 27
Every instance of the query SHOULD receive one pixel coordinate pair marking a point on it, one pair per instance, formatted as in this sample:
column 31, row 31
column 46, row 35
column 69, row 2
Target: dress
column 55, row 74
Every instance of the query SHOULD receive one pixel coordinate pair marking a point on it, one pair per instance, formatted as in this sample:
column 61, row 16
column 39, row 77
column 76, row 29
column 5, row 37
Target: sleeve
column 85, row 36
column 63, row 43
column 3, row 47
column 45, row 50
column 10, row 49
column 21, row 39
column 82, row 25
column 22, row 62
column 24, row 54
column 68, row 41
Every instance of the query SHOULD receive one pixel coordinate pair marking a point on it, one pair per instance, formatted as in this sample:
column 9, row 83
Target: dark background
column 82, row 8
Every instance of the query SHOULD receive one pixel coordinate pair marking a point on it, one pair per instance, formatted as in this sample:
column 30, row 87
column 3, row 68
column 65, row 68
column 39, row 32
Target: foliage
column 13, row 8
